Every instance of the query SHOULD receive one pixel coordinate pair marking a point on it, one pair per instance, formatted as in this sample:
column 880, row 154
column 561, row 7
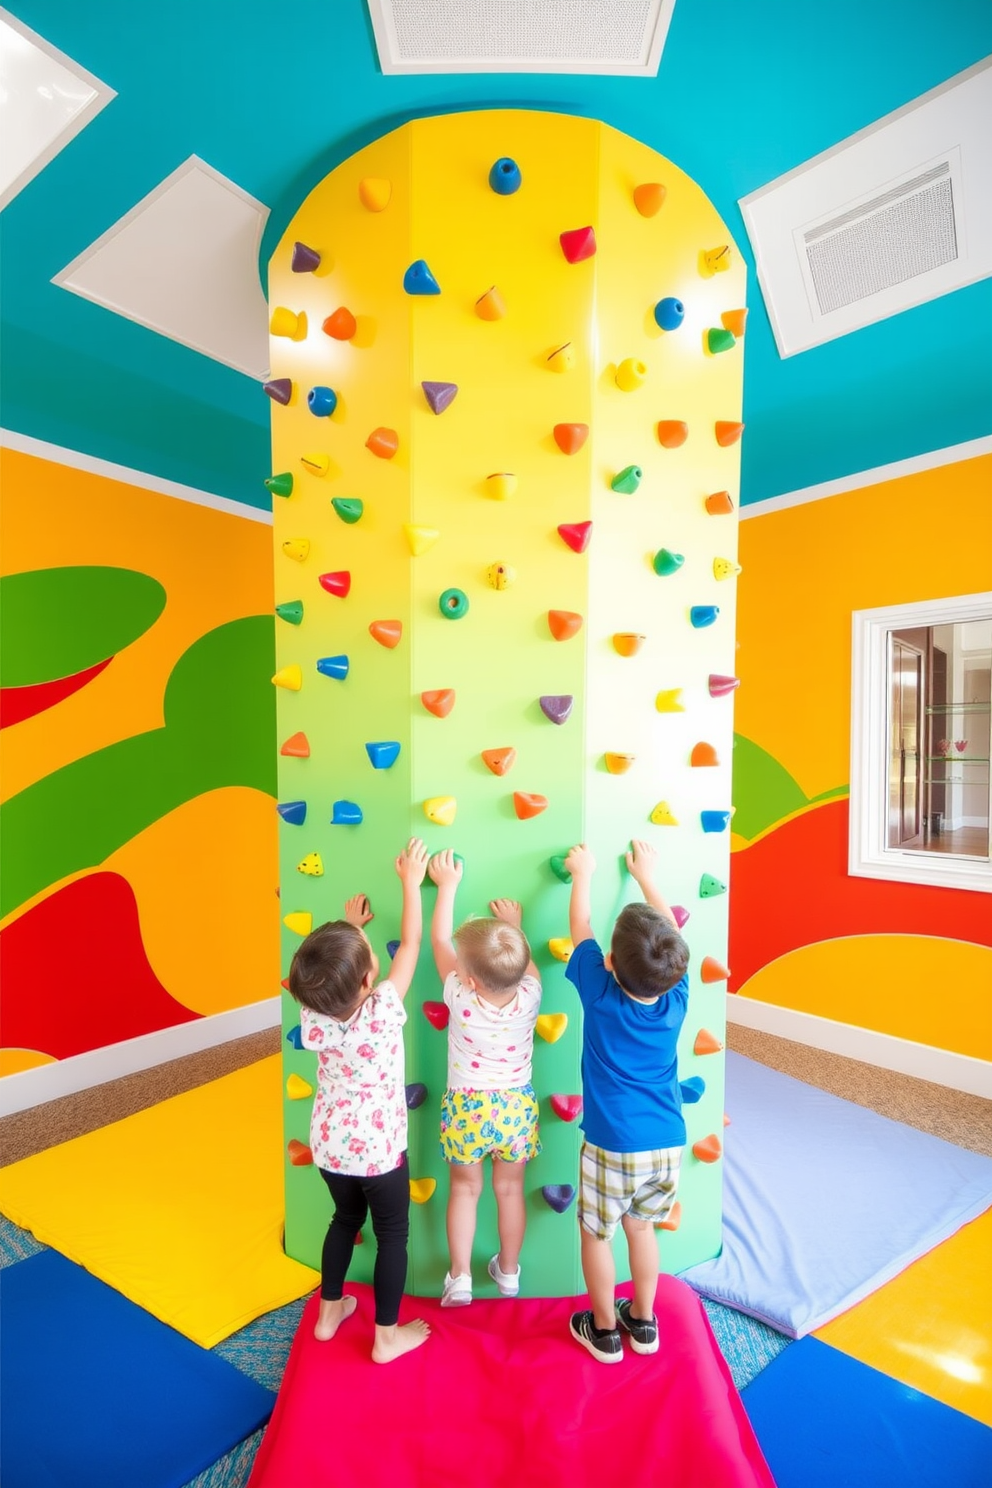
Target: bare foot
column 331, row 1316
column 390, row 1343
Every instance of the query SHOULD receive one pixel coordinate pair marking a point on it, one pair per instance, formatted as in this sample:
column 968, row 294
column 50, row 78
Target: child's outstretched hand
column 507, row 910
column 411, row 865
column 641, row 861
column 358, row 911
column 580, row 862
column 444, row 869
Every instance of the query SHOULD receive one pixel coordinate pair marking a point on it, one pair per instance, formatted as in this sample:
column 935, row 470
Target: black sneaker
column 643, row 1336
column 606, row 1347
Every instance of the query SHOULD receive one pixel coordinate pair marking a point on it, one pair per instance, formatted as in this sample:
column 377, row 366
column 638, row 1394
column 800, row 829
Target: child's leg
column 463, row 1203
column 350, row 1210
column 511, row 1211
column 600, row 1274
column 642, row 1248
column 389, row 1203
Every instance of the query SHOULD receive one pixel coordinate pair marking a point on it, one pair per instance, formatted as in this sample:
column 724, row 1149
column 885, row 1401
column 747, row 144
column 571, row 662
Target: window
column 920, row 743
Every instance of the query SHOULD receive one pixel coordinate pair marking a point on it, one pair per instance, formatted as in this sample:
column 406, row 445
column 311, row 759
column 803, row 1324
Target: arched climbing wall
column 464, row 378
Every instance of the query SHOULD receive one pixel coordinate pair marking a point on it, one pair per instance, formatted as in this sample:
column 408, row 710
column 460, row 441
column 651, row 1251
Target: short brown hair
column 649, row 955
column 329, row 968
column 494, row 953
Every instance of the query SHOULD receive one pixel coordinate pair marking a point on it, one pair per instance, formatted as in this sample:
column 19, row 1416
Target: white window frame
column 868, row 854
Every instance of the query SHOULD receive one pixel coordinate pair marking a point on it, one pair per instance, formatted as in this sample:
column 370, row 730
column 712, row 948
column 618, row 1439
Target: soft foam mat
column 179, row 1207
column 825, row 1420
column 98, row 1394
column 824, row 1201
column 500, row 1393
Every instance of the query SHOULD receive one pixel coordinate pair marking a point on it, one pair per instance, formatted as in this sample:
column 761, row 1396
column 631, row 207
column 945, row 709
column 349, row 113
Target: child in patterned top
column 359, row 1123
column 493, row 993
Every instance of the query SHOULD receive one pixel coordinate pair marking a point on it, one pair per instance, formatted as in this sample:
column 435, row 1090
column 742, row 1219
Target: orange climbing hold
column 439, row 702
column 706, row 1043
column 490, row 306
column 388, row 633
column 563, row 624
column 672, row 433
column 342, row 325
column 719, row 504
column 299, row 1154
column 499, row 760
column 712, row 970
column 618, row 764
column 571, row 437
column 708, row 1149
column 734, row 321
column 296, row 747
column 727, row 433
column 627, row 642
column 650, row 198
column 703, row 754
column 383, row 442
column 673, row 1219
column 527, row 805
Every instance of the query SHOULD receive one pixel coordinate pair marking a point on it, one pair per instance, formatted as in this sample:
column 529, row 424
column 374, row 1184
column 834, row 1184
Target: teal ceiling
column 275, row 95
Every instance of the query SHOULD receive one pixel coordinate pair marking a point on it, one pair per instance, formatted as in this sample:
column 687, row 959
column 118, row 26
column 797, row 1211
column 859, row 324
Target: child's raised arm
column 447, row 874
column 411, row 865
column 641, row 862
column 581, row 865
column 510, row 911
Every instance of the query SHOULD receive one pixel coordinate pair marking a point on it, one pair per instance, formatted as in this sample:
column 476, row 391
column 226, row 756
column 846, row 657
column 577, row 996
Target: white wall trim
column 47, row 1082
column 940, row 1066
column 954, row 454
column 76, row 460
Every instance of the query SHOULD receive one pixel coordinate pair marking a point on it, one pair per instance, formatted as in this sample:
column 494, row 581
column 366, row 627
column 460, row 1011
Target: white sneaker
column 457, row 1290
column 509, row 1284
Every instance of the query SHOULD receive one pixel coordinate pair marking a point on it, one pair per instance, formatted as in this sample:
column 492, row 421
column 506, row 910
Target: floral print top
column 358, row 1125
column 490, row 1048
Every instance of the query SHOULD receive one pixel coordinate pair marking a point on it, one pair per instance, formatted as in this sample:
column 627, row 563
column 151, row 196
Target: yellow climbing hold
column 662, row 815
column 668, row 701
column 300, row 922
column 715, row 260
column 298, row 1088
column 551, row 1026
column 285, row 322
column 561, row 948
column 316, row 464
column 374, row 193
column 500, row 575
column 562, row 359
column 725, row 568
column 422, row 1189
column 290, row 677
column 311, row 865
column 297, row 548
column 441, row 810
column 420, row 538
column 501, row 485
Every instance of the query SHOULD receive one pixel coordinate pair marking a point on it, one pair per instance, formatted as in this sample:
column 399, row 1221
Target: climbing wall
column 506, row 391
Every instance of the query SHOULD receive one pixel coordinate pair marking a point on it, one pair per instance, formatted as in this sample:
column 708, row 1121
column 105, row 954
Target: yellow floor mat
column 931, row 1327
column 179, row 1207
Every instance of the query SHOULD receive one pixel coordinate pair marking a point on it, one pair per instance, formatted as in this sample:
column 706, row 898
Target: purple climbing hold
column 416, row 1093
column 557, row 708
column 558, row 1196
column 439, row 395
column 305, row 259
column 280, row 389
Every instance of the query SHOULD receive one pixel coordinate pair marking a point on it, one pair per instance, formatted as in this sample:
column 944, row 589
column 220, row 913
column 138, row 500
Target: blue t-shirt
column 630, row 1084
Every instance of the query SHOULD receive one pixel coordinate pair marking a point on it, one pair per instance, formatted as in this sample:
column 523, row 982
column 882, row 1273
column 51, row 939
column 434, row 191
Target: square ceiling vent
column 623, row 37
column 898, row 214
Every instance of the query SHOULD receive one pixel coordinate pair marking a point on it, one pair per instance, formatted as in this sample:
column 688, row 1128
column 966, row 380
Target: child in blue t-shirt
column 633, row 1003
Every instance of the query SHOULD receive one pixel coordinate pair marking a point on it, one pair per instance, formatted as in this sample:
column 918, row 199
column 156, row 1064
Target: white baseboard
column 941, row 1066
column 47, row 1082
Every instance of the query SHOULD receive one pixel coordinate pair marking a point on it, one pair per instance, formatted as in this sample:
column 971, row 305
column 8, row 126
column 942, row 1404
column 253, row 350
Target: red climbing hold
column 576, row 535
column 299, row 1154
column 336, row 583
column 568, row 1107
column 437, row 1014
column 577, row 244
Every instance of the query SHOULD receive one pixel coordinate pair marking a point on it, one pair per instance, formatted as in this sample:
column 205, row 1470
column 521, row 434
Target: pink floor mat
column 501, row 1394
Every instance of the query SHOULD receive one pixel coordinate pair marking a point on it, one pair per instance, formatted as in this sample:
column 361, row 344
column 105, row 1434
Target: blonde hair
column 494, row 953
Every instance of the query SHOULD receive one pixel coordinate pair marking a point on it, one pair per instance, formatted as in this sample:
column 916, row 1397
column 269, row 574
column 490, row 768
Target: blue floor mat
column 825, row 1420
column 99, row 1394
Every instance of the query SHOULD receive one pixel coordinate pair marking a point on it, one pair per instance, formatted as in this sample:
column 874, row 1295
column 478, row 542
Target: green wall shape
column 219, row 726
column 59, row 621
column 764, row 791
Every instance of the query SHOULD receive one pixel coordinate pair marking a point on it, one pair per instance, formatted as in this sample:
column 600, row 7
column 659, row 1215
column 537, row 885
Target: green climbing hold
column 348, row 508
column 718, row 339
column 666, row 563
column 628, row 480
column 292, row 611
column 280, row 485
column 558, row 868
column 710, row 887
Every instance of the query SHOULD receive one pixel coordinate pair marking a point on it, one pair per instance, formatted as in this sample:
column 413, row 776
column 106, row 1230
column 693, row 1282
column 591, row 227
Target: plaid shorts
column 612, row 1184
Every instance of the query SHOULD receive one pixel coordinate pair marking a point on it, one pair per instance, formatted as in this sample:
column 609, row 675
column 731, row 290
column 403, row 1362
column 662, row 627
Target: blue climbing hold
column 295, row 1037
column 345, row 814
column 322, row 401
column 392, row 946
column 702, row 615
column 294, row 812
column 505, row 177
column 383, row 754
column 333, row 666
column 692, row 1090
column 669, row 313
column 715, row 821
column 418, row 280
column 416, row 1093
column 558, row 1196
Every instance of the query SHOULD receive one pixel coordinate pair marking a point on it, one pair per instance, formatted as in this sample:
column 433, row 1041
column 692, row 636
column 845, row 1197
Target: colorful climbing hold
column 567, row 1107
column 702, row 615
column 564, row 624
column 672, row 1219
column 706, row 1043
column 562, row 359
column 710, row 887
column 322, row 401
column 576, row 535
column 441, row 810
column 618, row 764
column 734, row 321
column 719, row 504
column 293, row 812
column 294, row 1035
column 374, row 193
column 299, row 1154
column 669, row 313
column 708, row 1149
column 418, row 280
column 291, row 611
column 420, row 539
column 570, row 437
column 667, row 701
column 297, row 548
column 388, row 633
column 500, row 575
column 499, row 761
column 317, row 464
column 712, row 970
column 650, row 198
column 578, row 243
column 665, row 562
column 346, row 814
column 551, row 1026
column 558, row 1196
column 453, row 604
column 628, row 642
column 725, row 568
column 505, row 177
column 288, row 323
column 501, row 485
column 662, row 815
column 290, row 677
column 631, row 374
column 692, row 1090
column 558, row 868
column 337, row 583
column 437, row 1014
column 679, row 914
column 628, row 480
column 439, row 702
column 702, row 755
column 714, row 821
column 312, row 865
column 383, row 443
column 715, row 260
column 716, row 339
column 416, row 1094
column 672, row 433
column 300, row 921
column 490, row 306
column 280, row 485
column 383, row 754
column 561, row 947
column 297, row 746
column 348, row 508
column 527, row 805
column 720, row 686
column 279, row 389
column 557, row 707
column 727, row 432
column 422, row 1189
column 340, row 325
column 439, row 395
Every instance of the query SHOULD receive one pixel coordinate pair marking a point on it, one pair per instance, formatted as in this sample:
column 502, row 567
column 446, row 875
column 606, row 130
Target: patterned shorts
column 612, row 1184
column 489, row 1123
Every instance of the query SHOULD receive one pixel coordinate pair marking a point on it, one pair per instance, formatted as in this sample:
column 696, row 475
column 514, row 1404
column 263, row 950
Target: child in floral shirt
column 359, row 1124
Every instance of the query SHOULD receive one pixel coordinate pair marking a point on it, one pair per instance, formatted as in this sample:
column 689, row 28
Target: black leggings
column 387, row 1198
